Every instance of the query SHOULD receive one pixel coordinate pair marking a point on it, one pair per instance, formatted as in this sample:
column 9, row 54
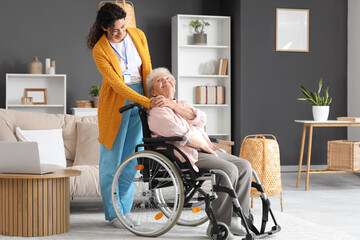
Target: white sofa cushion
column 5, row 133
column 51, row 145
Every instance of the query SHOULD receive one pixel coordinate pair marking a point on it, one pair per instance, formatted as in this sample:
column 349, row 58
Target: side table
column 312, row 125
column 35, row 205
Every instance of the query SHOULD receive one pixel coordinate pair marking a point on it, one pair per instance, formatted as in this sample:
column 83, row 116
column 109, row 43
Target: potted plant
column 94, row 93
column 200, row 38
column 320, row 103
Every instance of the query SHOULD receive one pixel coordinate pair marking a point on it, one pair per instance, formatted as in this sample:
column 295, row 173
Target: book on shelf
column 201, row 95
column 222, row 66
column 220, row 94
column 351, row 119
column 84, row 104
column 211, row 95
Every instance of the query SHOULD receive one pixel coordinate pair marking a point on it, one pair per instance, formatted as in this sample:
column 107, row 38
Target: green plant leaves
column 320, row 85
column 94, row 90
column 196, row 24
column 315, row 97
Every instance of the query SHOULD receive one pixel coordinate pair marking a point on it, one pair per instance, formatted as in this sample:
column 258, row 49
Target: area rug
column 88, row 223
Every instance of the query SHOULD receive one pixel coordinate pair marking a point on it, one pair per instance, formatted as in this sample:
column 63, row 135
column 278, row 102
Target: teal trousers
column 128, row 136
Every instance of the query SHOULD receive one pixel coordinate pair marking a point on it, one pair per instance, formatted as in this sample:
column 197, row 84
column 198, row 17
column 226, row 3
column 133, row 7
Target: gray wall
column 353, row 65
column 268, row 81
column 58, row 30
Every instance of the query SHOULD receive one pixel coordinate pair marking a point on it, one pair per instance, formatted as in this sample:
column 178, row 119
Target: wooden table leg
column 308, row 158
column 301, row 155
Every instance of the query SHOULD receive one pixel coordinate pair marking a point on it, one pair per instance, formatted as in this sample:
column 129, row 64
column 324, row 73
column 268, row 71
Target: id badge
column 127, row 77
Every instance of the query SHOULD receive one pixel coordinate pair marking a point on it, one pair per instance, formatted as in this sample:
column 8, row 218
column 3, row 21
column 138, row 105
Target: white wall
column 354, row 65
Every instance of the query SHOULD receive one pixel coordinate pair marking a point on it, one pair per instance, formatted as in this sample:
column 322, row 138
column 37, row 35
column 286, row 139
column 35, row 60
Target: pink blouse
column 164, row 122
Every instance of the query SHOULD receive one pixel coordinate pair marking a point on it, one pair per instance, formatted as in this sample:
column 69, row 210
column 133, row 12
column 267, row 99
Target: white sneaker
column 236, row 227
column 116, row 222
column 208, row 230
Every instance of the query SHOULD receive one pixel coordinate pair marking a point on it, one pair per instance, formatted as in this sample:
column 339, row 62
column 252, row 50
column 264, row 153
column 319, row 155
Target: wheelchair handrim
column 175, row 177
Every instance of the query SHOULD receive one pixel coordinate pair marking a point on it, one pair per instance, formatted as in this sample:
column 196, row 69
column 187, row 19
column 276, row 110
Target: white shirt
column 133, row 57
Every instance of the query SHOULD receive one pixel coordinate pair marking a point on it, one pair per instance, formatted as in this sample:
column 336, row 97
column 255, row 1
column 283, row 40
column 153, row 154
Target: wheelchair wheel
column 137, row 182
column 223, row 234
column 192, row 214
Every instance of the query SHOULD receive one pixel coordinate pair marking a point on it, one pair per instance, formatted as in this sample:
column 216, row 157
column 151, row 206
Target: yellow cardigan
column 114, row 91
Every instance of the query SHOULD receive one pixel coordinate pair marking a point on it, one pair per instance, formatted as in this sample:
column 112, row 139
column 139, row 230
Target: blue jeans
column 128, row 136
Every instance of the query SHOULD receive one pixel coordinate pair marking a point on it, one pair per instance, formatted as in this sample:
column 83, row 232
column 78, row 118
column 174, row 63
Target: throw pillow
column 51, row 145
column 5, row 133
column 87, row 145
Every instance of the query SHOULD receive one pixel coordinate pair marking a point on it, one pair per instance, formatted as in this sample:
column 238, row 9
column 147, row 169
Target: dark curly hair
column 105, row 18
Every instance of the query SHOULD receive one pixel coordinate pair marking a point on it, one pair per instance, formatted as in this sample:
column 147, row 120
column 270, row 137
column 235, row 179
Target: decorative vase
column 200, row 39
column 35, row 67
column 47, row 65
column 96, row 101
column 52, row 65
column 209, row 68
column 320, row 113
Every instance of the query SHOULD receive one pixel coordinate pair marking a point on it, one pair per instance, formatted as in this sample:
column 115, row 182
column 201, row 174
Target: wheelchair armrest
column 214, row 140
column 163, row 139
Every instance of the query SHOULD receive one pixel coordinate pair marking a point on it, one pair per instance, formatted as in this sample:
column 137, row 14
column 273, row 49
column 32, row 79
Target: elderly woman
column 173, row 117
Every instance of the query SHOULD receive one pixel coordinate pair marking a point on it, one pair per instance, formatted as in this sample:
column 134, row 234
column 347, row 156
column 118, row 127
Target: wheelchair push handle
column 128, row 107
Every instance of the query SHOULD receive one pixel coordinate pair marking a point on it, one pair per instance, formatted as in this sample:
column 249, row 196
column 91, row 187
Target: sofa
column 80, row 143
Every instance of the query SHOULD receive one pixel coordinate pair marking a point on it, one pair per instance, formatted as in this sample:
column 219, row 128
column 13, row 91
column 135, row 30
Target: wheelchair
column 165, row 191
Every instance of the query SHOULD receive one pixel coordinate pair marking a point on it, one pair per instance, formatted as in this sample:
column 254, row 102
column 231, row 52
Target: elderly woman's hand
column 206, row 148
column 161, row 101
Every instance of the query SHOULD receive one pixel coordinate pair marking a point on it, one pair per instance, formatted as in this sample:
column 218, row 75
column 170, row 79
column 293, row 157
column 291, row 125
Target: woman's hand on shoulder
column 161, row 101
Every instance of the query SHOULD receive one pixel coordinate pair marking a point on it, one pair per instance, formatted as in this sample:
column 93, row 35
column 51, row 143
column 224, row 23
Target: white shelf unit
column 82, row 112
column 188, row 59
column 55, row 92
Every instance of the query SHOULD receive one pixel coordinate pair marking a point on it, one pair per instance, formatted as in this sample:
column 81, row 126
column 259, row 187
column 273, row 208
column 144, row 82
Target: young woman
column 122, row 57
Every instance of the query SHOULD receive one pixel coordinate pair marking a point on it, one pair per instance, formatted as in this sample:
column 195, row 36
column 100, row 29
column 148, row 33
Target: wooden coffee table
column 35, row 205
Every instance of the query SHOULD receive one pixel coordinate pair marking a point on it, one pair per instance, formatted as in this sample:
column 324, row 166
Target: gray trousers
column 240, row 173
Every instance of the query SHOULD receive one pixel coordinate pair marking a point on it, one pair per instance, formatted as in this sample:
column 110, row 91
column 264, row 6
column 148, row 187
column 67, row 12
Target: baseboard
column 294, row 168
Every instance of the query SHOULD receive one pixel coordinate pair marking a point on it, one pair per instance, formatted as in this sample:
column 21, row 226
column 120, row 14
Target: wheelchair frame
column 189, row 182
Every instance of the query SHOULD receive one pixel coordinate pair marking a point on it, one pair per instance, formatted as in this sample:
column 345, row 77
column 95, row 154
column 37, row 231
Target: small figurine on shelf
column 26, row 100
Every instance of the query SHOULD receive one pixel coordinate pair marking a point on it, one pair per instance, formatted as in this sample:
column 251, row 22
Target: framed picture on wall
column 38, row 95
column 292, row 30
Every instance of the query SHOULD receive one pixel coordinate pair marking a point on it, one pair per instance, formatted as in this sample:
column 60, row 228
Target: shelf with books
column 192, row 63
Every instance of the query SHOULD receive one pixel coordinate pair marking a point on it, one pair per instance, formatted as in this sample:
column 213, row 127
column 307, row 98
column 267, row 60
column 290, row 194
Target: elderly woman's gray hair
column 155, row 72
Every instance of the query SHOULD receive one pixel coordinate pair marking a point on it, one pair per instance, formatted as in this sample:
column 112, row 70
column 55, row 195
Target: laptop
column 21, row 158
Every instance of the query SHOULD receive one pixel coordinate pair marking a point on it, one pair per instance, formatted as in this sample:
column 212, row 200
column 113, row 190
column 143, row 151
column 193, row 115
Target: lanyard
column 126, row 60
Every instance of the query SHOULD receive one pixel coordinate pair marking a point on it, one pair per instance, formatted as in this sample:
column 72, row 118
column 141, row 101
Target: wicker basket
column 264, row 156
column 128, row 8
column 344, row 155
